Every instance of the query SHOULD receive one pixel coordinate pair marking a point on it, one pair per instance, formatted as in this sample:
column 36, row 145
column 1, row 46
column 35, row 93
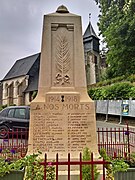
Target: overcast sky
column 21, row 25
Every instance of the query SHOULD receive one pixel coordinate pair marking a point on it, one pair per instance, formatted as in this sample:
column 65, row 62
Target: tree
column 117, row 26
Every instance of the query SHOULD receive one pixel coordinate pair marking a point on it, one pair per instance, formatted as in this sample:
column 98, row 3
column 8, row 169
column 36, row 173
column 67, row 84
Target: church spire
column 89, row 31
column 90, row 39
column 89, row 17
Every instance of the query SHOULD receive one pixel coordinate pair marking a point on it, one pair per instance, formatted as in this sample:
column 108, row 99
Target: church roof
column 33, row 83
column 89, row 32
column 21, row 67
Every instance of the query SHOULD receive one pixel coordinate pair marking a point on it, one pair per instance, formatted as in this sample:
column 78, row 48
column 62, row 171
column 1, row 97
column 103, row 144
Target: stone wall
column 12, row 92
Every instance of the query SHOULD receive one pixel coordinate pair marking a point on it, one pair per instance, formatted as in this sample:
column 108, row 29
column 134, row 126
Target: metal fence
column 118, row 140
column 70, row 163
column 15, row 145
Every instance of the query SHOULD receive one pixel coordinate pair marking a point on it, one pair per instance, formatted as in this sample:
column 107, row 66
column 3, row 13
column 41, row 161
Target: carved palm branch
column 62, row 55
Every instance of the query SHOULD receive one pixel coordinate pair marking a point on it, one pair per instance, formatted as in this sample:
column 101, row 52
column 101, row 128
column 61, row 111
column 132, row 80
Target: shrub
column 131, row 78
column 117, row 164
column 118, row 79
column 122, row 90
column 86, row 169
column 3, row 106
column 31, row 163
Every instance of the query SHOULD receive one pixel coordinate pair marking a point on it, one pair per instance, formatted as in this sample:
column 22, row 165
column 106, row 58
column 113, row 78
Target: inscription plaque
column 61, row 124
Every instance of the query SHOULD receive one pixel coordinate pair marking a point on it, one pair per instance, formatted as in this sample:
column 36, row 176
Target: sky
column 21, row 24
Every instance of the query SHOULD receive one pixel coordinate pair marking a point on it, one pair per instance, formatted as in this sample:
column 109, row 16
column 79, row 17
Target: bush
column 118, row 79
column 31, row 163
column 3, row 106
column 86, row 169
column 131, row 78
column 117, row 164
column 122, row 90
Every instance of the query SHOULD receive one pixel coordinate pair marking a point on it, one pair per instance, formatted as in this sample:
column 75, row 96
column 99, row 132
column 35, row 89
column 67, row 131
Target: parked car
column 14, row 117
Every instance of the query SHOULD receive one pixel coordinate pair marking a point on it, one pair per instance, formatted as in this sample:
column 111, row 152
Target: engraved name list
column 62, row 124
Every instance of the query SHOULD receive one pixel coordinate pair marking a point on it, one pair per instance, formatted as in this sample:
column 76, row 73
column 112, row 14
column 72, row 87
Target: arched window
column 6, row 89
column 17, row 87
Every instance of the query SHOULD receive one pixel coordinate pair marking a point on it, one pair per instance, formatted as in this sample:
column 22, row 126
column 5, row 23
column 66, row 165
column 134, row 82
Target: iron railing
column 70, row 163
column 15, row 144
column 118, row 140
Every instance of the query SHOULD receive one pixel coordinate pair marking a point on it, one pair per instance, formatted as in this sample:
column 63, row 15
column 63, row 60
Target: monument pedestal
column 74, row 175
column 62, row 124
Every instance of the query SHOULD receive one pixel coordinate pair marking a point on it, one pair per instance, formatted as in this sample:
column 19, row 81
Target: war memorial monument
column 62, row 115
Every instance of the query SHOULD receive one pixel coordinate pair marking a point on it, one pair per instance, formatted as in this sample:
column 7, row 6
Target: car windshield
column 20, row 113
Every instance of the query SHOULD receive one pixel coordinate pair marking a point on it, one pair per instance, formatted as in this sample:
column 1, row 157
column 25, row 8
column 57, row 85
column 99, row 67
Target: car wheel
column 3, row 132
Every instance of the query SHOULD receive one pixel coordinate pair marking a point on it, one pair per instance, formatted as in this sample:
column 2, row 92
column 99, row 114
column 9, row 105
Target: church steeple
column 89, row 32
column 90, row 39
column 91, row 54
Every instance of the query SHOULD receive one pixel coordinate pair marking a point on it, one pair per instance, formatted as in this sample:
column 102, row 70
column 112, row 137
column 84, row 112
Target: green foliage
column 86, row 169
column 116, row 24
column 34, row 94
column 115, row 80
column 123, row 78
column 31, row 163
column 131, row 78
column 115, row 91
column 12, row 105
column 4, row 168
column 35, row 171
column 132, row 160
column 117, row 164
column 3, row 106
column 95, row 93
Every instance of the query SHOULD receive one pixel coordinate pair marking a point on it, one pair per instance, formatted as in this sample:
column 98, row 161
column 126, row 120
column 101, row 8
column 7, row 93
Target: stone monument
column 62, row 115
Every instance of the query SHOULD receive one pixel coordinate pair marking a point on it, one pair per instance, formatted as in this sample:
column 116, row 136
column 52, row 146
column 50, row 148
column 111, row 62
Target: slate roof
column 21, row 67
column 89, row 32
column 33, row 83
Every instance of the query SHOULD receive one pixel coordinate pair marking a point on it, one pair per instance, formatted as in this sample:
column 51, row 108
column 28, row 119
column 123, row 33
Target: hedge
column 123, row 90
column 123, row 78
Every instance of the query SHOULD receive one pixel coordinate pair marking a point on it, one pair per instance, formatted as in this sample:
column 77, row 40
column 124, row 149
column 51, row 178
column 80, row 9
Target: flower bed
column 12, row 168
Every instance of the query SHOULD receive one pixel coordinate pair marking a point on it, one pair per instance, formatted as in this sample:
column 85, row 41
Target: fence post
column 92, row 166
column 68, row 166
column 57, row 166
column 80, row 166
column 128, row 139
column 103, row 169
column 17, row 137
column 45, row 160
column 107, row 108
column 121, row 113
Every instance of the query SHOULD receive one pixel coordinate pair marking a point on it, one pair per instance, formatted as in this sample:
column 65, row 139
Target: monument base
column 62, row 124
column 74, row 175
